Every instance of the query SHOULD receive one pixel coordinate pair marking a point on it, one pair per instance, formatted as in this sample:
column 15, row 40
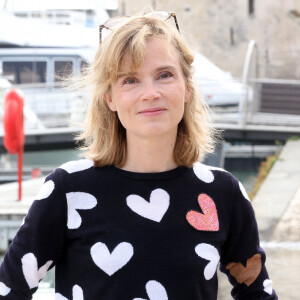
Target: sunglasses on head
column 161, row 15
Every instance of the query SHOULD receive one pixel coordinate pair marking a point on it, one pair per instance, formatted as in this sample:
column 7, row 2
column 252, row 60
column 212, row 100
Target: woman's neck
column 150, row 155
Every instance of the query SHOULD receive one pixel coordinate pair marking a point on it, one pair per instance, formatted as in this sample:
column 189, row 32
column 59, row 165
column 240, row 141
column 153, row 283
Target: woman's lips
column 152, row 111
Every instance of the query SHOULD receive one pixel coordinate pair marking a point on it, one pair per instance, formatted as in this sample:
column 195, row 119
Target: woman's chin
column 154, row 131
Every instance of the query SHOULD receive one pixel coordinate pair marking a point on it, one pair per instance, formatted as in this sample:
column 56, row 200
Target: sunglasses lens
column 162, row 15
column 114, row 21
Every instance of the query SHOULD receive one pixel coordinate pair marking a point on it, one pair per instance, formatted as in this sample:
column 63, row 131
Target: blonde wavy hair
column 104, row 138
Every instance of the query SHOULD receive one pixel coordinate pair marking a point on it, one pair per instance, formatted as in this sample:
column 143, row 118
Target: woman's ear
column 109, row 101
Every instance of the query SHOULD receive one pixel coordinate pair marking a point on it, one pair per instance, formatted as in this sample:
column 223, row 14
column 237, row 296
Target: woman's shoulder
column 210, row 174
column 71, row 167
column 79, row 165
column 220, row 177
column 216, row 175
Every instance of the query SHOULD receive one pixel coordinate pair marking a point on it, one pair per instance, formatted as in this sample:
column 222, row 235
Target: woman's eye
column 165, row 75
column 130, row 80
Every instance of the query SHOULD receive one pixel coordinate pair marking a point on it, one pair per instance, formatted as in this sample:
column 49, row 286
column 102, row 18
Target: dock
column 277, row 210
column 12, row 211
column 278, row 199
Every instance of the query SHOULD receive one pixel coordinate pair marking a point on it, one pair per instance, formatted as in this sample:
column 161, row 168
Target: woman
column 139, row 218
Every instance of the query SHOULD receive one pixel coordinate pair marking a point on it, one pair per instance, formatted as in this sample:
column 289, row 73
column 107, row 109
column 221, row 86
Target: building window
column 251, row 7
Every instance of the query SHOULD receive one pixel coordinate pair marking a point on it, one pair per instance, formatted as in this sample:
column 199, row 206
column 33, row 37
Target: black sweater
column 119, row 235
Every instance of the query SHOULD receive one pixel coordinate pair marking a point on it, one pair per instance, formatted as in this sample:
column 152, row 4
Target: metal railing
column 49, row 106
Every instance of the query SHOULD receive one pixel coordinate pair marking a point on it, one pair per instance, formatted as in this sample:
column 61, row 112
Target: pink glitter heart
column 208, row 221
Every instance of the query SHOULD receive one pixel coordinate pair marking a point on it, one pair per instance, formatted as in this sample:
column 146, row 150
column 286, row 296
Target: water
column 247, row 178
column 244, row 169
column 49, row 158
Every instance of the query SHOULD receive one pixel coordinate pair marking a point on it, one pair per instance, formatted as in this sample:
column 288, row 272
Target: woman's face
column 150, row 101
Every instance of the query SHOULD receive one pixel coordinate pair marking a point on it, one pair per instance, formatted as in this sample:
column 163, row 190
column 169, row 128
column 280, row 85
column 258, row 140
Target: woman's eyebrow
column 126, row 74
column 129, row 74
column 168, row 67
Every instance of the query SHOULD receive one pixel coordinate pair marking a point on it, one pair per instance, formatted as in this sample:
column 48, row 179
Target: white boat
column 42, row 39
column 47, row 105
column 218, row 88
column 68, row 23
column 60, row 37
column 38, row 72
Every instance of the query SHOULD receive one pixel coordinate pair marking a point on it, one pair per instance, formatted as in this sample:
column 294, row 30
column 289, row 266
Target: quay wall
column 222, row 29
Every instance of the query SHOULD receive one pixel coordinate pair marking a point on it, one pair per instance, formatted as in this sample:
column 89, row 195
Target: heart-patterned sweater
column 114, row 234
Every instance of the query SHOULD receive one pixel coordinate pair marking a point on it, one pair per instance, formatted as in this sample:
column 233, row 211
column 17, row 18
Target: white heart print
column 203, row 172
column 216, row 168
column 108, row 262
column 46, row 190
column 4, row 290
column 244, row 192
column 31, row 272
column 78, row 200
column 155, row 291
column 268, row 286
column 77, row 294
column 153, row 210
column 77, row 165
column 211, row 254
column 59, row 296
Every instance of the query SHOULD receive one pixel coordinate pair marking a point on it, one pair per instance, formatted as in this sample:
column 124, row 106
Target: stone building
column 222, row 29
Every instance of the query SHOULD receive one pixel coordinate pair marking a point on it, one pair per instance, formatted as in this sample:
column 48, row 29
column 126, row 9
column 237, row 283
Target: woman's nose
column 150, row 90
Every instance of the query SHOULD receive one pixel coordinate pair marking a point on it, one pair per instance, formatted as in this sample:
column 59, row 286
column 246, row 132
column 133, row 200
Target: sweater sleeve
column 242, row 259
column 38, row 244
